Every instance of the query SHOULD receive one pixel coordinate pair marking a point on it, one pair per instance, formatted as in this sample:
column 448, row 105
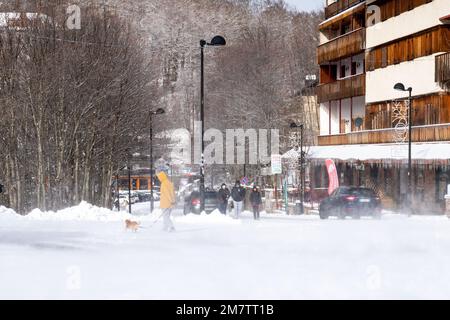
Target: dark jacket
column 238, row 194
column 255, row 198
column 223, row 195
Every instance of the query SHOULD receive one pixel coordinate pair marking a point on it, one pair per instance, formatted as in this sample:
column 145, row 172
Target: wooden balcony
column 344, row 46
column 339, row 6
column 420, row 134
column 350, row 87
column 443, row 69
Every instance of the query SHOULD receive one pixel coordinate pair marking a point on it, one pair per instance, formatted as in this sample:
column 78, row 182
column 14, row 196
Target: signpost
column 276, row 170
column 276, row 164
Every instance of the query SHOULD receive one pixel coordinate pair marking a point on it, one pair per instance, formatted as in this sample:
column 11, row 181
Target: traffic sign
column 276, row 164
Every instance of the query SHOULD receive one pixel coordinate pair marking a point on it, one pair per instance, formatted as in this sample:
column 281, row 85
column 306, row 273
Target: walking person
column 256, row 201
column 223, row 196
column 167, row 201
column 238, row 196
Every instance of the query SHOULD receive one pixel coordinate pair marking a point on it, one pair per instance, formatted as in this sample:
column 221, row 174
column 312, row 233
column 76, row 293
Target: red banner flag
column 332, row 176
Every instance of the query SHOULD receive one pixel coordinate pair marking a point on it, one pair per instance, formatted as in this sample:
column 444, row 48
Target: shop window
column 442, row 183
column 144, row 185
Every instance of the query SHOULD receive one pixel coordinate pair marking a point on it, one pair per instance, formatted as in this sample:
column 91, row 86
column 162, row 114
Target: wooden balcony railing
column 420, row 134
column 339, row 6
column 443, row 69
column 350, row 87
column 346, row 45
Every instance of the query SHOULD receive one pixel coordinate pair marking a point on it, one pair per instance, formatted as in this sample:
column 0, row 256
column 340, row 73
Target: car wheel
column 356, row 216
column 377, row 215
column 323, row 214
column 341, row 214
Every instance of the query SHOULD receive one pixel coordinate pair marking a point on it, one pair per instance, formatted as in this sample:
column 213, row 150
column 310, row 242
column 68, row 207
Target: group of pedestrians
column 237, row 199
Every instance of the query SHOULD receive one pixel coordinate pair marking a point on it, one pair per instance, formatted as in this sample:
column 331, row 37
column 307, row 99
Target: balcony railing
column 350, row 87
column 420, row 134
column 443, row 69
column 339, row 6
column 346, row 45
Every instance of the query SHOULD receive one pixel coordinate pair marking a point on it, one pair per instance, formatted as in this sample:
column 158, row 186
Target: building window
column 343, row 67
column 354, row 67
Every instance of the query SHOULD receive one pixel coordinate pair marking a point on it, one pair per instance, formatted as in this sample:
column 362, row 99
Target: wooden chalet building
column 366, row 47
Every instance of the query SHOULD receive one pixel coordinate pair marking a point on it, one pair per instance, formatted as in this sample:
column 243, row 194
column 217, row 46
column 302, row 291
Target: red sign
column 332, row 176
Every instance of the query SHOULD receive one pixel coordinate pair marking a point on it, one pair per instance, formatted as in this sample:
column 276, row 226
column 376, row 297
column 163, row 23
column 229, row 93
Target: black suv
column 355, row 202
column 192, row 202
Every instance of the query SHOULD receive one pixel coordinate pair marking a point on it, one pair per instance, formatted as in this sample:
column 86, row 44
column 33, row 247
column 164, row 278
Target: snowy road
column 216, row 257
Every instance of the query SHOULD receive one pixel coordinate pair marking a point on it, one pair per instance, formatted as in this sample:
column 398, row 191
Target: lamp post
column 152, row 113
column 129, row 187
column 302, row 162
column 401, row 87
column 217, row 41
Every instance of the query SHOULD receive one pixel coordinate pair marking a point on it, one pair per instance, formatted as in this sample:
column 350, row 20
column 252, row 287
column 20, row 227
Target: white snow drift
column 85, row 253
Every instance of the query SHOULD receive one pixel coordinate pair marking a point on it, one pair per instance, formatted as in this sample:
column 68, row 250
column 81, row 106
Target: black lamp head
column 218, row 41
column 401, row 87
column 294, row 125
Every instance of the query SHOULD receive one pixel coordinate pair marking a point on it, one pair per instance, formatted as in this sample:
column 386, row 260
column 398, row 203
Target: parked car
column 192, row 202
column 145, row 196
column 134, row 196
column 355, row 202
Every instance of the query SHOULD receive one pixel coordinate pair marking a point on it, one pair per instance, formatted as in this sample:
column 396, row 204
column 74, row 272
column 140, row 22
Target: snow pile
column 214, row 218
column 83, row 212
column 6, row 212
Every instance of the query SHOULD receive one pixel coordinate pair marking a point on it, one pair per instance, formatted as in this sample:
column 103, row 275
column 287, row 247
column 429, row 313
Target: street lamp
column 401, row 87
column 217, row 41
column 152, row 113
column 302, row 162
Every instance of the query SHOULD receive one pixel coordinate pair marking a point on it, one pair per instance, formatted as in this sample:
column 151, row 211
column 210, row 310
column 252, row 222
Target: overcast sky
column 306, row 5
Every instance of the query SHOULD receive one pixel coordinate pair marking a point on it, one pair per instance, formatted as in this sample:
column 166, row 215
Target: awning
column 426, row 153
column 445, row 19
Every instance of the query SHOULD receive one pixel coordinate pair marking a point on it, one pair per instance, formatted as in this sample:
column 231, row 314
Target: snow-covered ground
column 85, row 253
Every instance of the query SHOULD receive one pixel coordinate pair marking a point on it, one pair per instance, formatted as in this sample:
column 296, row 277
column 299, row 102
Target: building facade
column 366, row 48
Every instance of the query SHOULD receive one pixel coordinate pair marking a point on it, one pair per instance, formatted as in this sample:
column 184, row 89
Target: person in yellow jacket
column 167, row 200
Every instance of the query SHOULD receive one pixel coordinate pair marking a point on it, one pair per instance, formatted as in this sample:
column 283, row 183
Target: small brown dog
column 132, row 225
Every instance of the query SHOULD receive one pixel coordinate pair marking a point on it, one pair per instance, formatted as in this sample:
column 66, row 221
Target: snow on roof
column 7, row 17
column 420, row 151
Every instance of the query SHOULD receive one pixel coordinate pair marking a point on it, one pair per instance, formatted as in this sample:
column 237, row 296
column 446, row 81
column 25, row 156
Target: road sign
column 276, row 164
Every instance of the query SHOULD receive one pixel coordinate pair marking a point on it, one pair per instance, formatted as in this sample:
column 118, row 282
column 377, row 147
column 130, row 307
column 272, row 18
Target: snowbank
column 83, row 212
column 6, row 212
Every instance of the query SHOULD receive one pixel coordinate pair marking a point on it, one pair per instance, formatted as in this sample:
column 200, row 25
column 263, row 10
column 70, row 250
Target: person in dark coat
column 238, row 196
column 223, row 196
column 256, row 201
